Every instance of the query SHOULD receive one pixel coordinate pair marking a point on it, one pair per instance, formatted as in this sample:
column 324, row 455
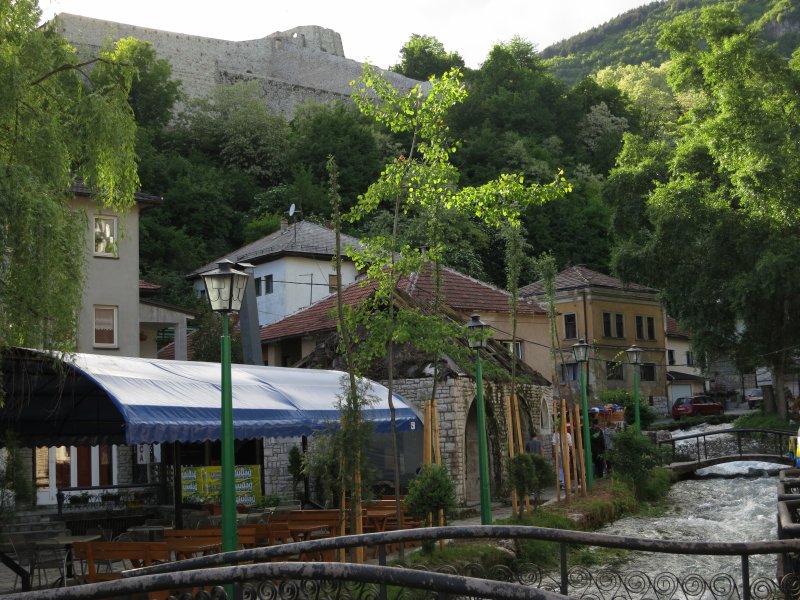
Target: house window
column 105, row 236
column 647, row 372
column 257, row 282
column 689, row 358
column 570, row 326
column 614, row 371
column 569, row 372
column 671, row 357
column 517, row 347
column 645, row 328
column 613, row 325
column 333, row 280
column 105, row 326
column 267, row 284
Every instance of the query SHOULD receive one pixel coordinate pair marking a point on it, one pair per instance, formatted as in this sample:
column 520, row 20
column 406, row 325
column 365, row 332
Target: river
column 725, row 508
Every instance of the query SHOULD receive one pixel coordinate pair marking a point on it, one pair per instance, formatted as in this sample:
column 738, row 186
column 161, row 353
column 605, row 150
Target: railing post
column 60, row 502
column 382, row 593
column 739, row 441
column 562, row 546
column 745, row 577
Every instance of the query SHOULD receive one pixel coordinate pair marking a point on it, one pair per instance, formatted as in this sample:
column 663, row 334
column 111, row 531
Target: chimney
column 284, row 223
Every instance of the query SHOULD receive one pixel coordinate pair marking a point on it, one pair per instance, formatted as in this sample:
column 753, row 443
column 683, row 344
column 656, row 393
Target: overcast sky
column 372, row 31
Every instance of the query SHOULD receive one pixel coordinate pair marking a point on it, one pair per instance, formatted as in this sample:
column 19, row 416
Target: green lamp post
column 476, row 338
column 581, row 353
column 635, row 358
column 225, row 290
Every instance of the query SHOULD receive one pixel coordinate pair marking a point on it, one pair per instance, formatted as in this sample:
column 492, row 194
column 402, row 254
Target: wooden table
column 150, row 531
column 66, row 541
column 378, row 518
column 302, row 532
column 182, row 548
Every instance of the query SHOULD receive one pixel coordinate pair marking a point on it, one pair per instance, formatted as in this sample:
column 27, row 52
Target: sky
column 372, row 31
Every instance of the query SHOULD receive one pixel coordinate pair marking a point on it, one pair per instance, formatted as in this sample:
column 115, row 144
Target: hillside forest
column 684, row 170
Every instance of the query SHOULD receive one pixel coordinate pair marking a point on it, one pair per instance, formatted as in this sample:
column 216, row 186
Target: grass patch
column 459, row 553
column 762, row 421
column 610, row 499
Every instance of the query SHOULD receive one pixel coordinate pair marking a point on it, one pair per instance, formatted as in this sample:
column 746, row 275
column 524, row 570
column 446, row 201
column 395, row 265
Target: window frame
column 689, row 358
column 333, row 281
column 111, row 248
column 613, row 325
column 645, row 327
column 115, row 330
column 574, row 326
column 520, row 353
column 670, row 357
column 269, row 286
column 651, row 367
column 569, row 369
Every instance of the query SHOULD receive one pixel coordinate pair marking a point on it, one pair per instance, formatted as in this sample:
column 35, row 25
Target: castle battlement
column 306, row 63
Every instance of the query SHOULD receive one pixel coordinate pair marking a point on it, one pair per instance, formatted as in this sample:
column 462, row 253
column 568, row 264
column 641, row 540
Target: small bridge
column 699, row 450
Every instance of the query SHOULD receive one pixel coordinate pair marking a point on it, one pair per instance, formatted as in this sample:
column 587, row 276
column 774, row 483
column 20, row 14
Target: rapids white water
column 729, row 509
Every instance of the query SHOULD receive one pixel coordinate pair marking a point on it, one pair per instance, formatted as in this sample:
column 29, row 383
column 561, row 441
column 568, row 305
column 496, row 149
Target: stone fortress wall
column 303, row 64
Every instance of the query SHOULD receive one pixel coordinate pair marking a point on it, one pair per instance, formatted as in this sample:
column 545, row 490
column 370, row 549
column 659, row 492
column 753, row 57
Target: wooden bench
column 127, row 555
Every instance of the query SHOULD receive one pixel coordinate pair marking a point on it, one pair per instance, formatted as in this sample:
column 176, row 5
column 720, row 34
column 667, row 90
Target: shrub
column 431, row 490
column 633, row 458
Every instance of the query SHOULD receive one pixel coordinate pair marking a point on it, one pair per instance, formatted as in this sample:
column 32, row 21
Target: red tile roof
column 146, row 285
column 461, row 293
column 579, row 277
column 674, row 329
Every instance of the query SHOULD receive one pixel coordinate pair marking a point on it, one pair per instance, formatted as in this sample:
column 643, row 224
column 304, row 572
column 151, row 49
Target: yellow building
column 611, row 316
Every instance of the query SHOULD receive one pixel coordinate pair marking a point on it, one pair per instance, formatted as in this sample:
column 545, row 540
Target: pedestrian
column 598, row 445
column 534, row 445
column 557, row 449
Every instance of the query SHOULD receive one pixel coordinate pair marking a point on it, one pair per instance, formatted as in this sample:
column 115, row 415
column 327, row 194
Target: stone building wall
column 454, row 398
column 304, row 63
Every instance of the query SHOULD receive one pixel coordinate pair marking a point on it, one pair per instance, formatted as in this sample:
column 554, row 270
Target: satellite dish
column 291, row 210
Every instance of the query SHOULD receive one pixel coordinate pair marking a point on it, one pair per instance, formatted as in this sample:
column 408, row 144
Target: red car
column 696, row 405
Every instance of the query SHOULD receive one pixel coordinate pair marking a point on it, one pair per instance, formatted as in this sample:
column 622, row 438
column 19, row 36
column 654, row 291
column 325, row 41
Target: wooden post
column 521, row 446
column 511, row 450
column 565, row 452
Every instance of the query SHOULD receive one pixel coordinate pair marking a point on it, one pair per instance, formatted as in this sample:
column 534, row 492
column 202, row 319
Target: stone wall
column 454, row 398
column 304, row 63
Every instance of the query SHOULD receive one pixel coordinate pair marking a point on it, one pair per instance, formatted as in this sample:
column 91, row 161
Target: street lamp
column 225, row 290
column 581, row 353
column 476, row 338
column 635, row 358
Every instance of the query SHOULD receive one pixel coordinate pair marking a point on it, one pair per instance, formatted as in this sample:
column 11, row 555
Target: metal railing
column 732, row 444
column 258, row 575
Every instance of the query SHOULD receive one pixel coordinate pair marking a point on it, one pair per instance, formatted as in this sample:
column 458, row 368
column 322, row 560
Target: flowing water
column 740, row 505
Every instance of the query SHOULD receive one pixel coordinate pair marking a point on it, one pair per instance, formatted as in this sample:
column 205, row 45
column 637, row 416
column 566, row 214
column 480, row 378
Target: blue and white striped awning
column 109, row 399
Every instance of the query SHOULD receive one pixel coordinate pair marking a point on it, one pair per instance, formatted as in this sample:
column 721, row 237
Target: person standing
column 534, row 445
column 598, row 445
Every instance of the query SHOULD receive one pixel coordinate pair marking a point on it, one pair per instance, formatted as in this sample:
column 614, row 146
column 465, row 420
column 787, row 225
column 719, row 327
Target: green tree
column 59, row 118
column 727, row 209
column 424, row 56
column 235, row 125
column 339, row 130
column 153, row 92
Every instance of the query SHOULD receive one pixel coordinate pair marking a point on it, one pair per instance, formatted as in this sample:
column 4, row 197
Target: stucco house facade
column 611, row 316
column 117, row 317
column 292, row 268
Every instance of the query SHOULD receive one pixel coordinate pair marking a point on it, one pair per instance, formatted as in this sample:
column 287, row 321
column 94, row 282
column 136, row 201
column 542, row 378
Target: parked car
column 696, row 405
column 755, row 398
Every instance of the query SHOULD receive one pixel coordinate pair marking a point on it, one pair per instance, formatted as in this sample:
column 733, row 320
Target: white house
column 293, row 268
